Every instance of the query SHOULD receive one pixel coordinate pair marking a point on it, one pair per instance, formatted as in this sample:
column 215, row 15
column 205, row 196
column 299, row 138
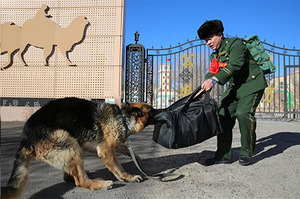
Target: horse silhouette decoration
column 44, row 33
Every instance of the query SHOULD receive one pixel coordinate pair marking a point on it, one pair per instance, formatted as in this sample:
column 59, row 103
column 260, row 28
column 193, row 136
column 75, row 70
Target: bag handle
column 191, row 98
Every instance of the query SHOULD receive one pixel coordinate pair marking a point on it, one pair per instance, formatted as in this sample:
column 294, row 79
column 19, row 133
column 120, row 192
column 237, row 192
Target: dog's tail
column 18, row 178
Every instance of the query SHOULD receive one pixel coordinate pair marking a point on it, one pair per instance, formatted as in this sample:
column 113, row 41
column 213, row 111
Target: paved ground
column 275, row 172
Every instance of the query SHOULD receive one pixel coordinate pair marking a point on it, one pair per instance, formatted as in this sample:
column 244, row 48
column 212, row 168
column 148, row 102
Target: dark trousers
column 243, row 110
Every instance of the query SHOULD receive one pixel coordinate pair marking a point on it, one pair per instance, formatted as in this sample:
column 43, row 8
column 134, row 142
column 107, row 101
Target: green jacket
column 244, row 76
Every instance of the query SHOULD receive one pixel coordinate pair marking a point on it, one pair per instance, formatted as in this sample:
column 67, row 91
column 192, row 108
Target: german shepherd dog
column 60, row 131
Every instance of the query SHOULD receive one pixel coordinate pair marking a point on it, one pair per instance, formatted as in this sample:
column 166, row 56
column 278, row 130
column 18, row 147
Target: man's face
column 214, row 41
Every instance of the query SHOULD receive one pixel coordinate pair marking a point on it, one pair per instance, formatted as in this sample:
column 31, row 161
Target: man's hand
column 208, row 84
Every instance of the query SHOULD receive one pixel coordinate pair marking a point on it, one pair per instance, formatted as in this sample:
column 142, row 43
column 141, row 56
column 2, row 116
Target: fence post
column 285, row 110
column 135, row 72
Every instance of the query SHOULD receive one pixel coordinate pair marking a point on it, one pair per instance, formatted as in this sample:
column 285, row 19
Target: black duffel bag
column 188, row 121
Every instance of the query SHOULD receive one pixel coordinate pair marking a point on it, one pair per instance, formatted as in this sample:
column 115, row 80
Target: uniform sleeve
column 237, row 55
column 209, row 75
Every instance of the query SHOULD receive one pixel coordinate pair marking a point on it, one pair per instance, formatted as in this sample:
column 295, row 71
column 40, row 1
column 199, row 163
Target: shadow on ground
column 266, row 147
column 276, row 143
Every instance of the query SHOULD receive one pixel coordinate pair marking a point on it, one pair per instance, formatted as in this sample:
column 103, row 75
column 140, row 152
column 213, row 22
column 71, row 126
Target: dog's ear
column 136, row 112
column 125, row 106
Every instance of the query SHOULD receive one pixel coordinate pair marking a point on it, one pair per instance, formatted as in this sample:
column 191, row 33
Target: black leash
column 159, row 177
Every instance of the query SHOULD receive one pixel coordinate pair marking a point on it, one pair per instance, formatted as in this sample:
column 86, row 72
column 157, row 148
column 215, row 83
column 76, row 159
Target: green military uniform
column 241, row 98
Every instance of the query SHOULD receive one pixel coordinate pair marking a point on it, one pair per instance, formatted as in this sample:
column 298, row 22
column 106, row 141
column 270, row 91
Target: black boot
column 245, row 160
column 215, row 160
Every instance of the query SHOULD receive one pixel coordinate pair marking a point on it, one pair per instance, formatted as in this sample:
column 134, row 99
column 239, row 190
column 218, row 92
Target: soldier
column 232, row 62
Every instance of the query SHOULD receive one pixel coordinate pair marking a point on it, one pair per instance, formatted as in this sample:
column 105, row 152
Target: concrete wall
column 98, row 59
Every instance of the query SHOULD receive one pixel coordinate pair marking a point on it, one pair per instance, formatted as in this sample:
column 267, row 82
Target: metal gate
column 174, row 72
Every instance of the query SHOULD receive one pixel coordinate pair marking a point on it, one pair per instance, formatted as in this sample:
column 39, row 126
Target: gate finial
column 136, row 37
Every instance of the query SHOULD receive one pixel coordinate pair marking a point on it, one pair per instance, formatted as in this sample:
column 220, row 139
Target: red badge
column 215, row 66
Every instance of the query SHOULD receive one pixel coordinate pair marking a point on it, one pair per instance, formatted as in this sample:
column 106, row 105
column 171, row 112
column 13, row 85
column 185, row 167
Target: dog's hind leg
column 81, row 179
column 64, row 152
column 19, row 176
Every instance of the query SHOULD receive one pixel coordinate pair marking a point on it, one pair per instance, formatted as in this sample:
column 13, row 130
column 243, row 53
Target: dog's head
column 143, row 113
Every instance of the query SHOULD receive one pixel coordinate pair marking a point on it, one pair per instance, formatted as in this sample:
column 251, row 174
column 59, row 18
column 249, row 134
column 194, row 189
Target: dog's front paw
column 100, row 184
column 136, row 178
column 109, row 184
column 126, row 177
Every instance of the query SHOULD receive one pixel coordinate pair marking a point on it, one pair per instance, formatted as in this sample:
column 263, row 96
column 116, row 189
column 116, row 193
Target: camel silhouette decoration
column 41, row 32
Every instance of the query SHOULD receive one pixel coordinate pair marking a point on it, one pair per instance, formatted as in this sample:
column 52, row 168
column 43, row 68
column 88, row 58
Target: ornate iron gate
column 282, row 97
column 135, row 67
column 174, row 72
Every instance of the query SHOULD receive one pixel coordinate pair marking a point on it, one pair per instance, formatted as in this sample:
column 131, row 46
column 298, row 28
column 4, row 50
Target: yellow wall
column 98, row 58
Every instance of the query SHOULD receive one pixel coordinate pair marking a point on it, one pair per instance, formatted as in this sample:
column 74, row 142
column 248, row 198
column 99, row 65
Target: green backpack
column 261, row 57
column 257, row 50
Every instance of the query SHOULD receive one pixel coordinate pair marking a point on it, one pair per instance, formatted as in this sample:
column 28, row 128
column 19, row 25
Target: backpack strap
column 228, row 46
